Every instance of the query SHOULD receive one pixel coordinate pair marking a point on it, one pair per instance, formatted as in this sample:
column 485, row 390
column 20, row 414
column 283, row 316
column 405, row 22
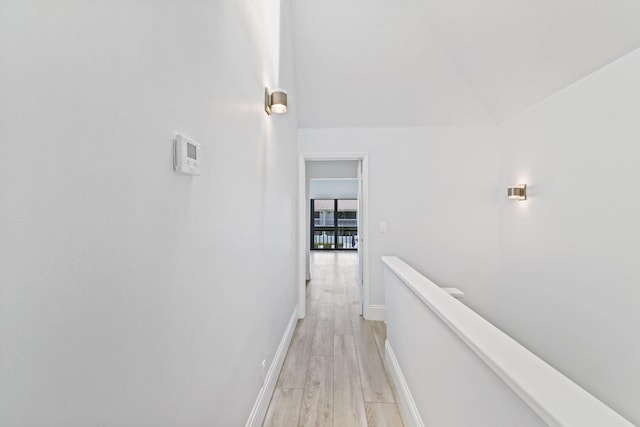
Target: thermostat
column 186, row 156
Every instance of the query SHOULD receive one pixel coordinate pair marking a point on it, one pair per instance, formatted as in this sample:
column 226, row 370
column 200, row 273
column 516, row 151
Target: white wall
column 569, row 254
column 131, row 295
column 436, row 189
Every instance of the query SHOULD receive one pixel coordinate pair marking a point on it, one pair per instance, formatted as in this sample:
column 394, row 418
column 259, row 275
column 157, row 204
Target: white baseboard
column 376, row 312
column 410, row 413
column 259, row 410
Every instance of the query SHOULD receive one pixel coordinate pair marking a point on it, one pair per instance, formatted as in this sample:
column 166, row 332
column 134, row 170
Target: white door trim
column 303, row 227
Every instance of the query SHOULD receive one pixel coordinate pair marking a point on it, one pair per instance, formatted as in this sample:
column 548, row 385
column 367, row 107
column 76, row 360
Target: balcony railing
column 326, row 239
column 328, row 222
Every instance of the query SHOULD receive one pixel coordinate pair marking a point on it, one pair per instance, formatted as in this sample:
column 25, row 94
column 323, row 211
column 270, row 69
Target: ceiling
column 380, row 63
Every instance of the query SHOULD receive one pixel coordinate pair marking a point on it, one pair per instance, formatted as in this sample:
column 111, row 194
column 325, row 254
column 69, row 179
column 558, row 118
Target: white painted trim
column 259, row 411
column 454, row 292
column 554, row 397
column 302, row 238
column 302, row 223
column 376, row 312
column 410, row 414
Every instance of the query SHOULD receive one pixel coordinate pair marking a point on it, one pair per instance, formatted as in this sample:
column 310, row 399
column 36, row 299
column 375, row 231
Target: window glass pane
column 347, row 215
column 323, row 213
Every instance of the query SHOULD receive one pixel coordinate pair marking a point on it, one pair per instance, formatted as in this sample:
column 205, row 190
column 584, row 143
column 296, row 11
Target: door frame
column 363, row 233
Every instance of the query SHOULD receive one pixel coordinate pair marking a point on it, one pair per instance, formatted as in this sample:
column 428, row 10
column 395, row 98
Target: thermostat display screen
column 191, row 151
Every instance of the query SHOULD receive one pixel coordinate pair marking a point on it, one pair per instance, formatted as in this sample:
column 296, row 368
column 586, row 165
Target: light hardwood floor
column 334, row 374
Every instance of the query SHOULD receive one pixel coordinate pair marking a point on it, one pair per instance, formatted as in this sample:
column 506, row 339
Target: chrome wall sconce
column 275, row 101
column 517, row 192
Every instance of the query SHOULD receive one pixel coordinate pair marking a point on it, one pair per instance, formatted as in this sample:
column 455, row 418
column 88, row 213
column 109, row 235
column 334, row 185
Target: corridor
column 334, row 372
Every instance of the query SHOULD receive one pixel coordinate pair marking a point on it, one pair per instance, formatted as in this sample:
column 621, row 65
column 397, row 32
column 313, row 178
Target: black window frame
column 335, row 228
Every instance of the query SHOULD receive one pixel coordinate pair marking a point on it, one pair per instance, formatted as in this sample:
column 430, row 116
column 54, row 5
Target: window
column 335, row 224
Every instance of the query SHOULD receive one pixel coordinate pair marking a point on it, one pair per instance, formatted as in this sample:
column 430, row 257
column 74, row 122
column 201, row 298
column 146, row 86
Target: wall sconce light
column 276, row 101
column 517, row 192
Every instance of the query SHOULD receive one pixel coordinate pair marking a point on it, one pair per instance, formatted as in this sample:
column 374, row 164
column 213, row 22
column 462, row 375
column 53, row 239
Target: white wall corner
column 376, row 312
column 259, row 411
column 410, row 415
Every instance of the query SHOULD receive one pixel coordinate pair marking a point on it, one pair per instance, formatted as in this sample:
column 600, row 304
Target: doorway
column 354, row 239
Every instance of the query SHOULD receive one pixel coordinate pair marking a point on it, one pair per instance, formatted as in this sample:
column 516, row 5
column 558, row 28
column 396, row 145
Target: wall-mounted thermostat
column 186, row 156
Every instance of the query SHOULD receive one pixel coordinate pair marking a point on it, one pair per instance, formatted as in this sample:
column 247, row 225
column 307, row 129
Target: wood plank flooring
column 334, row 373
